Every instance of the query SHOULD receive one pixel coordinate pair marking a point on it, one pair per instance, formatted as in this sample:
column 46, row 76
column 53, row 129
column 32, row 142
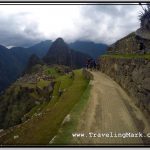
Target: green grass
column 65, row 136
column 56, row 88
column 26, row 104
column 62, row 82
column 40, row 130
column 30, row 85
column 34, row 95
column 36, row 109
column 50, row 71
column 42, row 83
column 65, row 81
column 147, row 56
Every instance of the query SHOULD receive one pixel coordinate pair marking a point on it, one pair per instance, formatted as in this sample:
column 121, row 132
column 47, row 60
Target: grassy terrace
column 146, row 56
column 64, row 135
column 40, row 130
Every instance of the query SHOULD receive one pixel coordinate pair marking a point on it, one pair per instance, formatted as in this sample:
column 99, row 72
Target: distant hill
column 14, row 60
column 9, row 67
column 41, row 48
column 90, row 48
column 33, row 60
column 23, row 54
column 60, row 53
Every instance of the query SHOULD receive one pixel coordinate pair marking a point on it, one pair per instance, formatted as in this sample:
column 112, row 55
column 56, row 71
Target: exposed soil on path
column 110, row 109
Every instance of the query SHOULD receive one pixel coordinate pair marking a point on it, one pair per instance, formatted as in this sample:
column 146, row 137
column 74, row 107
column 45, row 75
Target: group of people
column 91, row 64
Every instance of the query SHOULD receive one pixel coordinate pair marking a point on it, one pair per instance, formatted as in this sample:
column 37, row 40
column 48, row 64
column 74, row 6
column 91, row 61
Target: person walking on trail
column 88, row 64
column 91, row 64
column 94, row 65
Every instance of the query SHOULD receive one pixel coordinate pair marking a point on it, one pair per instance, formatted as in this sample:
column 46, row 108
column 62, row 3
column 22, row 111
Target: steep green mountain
column 23, row 54
column 60, row 53
column 9, row 67
column 40, row 49
column 13, row 61
column 90, row 48
column 33, row 60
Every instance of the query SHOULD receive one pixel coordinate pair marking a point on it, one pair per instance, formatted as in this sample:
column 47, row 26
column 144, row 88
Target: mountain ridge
column 60, row 53
column 90, row 48
column 14, row 60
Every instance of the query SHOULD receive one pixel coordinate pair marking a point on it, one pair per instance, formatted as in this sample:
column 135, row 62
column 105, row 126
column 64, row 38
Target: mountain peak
column 60, row 53
column 59, row 45
column 59, row 40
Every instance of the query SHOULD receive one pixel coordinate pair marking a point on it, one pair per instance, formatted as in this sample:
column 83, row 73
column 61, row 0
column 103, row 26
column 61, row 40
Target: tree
column 144, row 17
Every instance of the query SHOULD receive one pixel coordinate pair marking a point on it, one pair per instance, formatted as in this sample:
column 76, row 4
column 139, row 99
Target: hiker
column 94, row 65
column 91, row 64
column 88, row 63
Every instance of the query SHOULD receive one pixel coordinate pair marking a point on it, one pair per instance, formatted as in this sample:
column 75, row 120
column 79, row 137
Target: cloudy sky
column 24, row 25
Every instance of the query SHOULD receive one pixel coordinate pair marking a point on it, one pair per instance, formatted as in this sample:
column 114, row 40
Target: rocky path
column 110, row 110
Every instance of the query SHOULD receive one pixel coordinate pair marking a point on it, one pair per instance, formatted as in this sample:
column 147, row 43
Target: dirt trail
column 110, row 109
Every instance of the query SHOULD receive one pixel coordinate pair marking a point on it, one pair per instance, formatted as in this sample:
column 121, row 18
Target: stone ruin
column 143, row 33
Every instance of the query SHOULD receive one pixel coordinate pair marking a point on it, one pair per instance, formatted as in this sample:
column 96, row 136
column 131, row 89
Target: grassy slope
column 40, row 130
column 49, row 71
column 64, row 80
column 64, row 136
column 147, row 56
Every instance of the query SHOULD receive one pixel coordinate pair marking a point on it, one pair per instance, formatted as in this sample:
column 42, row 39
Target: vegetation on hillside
column 146, row 56
column 31, row 90
column 43, row 120
column 64, row 135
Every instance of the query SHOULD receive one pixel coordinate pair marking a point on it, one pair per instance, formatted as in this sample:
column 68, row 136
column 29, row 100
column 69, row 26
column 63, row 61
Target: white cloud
column 22, row 24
